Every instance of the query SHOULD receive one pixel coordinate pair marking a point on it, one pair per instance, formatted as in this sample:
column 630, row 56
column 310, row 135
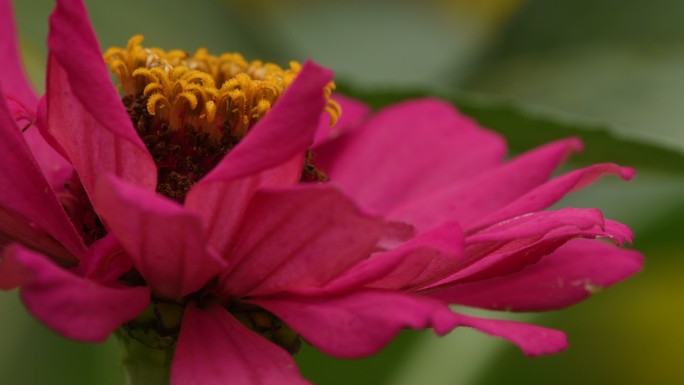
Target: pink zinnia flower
column 189, row 229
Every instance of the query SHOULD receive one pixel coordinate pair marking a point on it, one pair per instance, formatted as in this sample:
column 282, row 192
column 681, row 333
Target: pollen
column 217, row 95
column 190, row 110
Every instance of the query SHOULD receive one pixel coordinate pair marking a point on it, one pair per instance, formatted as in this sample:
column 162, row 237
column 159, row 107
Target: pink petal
column 353, row 113
column 355, row 324
column 85, row 114
column 395, row 234
column 287, row 130
column 12, row 76
column 488, row 260
column 14, row 272
column 617, row 232
column 77, row 308
column 55, row 168
column 16, row 228
column 537, row 224
column 425, row 259
column 272, row 154
column 216, row 349
column 25, row 195
column 299, row 237
column 532, row 340
column 552, row 191
column 222, row 204
column 568, row 275
column 22, row 114
column 501, row 246
column 105, row 261
column 494, row 189
column 409, row 150
column 166, row 243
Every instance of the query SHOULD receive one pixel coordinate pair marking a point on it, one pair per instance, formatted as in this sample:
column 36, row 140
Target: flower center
column 267, row 325
column 159, row 325
column 77, row 206
column 190, row 110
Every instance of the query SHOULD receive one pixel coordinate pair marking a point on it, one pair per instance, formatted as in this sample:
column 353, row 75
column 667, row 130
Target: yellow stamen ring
column 182, row 89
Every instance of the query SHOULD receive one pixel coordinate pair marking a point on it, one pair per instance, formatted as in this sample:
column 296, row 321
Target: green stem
column 143, row 365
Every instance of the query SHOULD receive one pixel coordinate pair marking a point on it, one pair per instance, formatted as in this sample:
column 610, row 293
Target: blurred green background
column 611, row 71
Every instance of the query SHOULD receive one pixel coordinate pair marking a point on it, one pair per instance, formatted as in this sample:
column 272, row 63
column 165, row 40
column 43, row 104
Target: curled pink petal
column 427, row 258
column 489, row 191
column 78, row 308
column 55, row 168
column 354, row 324
column 552, row 191
column 84, row 111
column 617, row 232
column 487, row 260
column 537, row 224
column 166, row 243
column 26, row 196
column 568, row 275
column 213, row 347
column 532, row 340
column 105, row 261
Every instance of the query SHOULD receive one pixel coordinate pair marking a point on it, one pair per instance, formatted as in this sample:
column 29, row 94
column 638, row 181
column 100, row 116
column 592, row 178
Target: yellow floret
column 203, row 90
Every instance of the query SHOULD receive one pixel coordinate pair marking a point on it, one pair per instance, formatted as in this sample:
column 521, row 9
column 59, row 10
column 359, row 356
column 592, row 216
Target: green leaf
column 617, row 61
column 32, row 354
column 525, row 128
